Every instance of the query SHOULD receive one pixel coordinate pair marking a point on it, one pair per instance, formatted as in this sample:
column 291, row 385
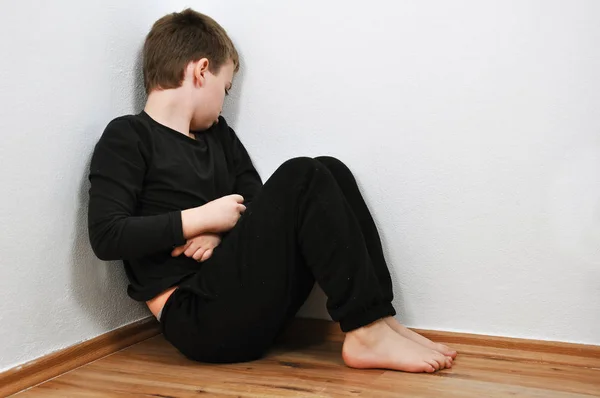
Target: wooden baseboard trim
column 50, row 366
column 541, row 346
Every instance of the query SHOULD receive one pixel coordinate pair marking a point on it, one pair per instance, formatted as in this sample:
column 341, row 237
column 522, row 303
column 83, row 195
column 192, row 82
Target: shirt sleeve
column 117, row 176
column 247, row 180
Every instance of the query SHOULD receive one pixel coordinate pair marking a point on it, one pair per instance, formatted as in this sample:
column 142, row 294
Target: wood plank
column 564, row 378
column 526, row 356
column 155, row 368
column 396, row 384
column 307, row 363
column 517, row 372
column 55, row 364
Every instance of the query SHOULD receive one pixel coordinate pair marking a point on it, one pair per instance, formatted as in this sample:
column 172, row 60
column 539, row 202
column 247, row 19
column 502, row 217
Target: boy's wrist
column 191, row 222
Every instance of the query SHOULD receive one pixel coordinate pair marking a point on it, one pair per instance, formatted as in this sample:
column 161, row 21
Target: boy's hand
column 222, row 214
column 217, row 216
column 199, row 248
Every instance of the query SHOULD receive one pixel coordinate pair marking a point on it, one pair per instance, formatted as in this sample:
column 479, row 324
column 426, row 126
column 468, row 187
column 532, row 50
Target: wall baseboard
column 50, row 366
column 301, row 330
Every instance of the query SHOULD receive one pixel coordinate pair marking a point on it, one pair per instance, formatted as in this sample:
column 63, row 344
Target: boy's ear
column 200, row 71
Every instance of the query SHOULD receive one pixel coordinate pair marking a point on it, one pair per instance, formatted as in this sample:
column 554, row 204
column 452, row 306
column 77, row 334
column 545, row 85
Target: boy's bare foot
column 378, row 346
column 417, row 338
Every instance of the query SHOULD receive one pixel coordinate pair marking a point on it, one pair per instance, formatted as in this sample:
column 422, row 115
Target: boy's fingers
column 206, row 255
column 189, row 252
column 241, row 208
column 180, row 249
column 199, row 254
column 238, row 198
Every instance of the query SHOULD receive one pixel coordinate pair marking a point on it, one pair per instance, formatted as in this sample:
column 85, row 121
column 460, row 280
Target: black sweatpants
column 309, row 223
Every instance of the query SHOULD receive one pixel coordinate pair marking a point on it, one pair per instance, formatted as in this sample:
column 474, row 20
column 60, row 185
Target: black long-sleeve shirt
column 143, row 174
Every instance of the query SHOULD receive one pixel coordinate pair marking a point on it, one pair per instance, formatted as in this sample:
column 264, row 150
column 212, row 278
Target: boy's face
column 210, row 95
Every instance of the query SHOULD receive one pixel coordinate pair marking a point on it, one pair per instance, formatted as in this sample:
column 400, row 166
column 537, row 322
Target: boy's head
column 191, row 49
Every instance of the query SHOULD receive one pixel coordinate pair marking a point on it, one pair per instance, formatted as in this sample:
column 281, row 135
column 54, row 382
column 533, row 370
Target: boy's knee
column 330, row 161
column 302, row 170
column 299, row 163
column 335, row 166
column 299, row 167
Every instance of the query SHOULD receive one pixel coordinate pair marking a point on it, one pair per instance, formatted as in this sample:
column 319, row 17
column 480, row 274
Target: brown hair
column 179, row 38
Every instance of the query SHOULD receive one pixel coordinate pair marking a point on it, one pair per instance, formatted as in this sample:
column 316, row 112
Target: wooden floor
column 154, row 369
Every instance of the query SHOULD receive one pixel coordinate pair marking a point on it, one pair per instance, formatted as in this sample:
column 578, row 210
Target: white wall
column 67, row 69
column 473, row 128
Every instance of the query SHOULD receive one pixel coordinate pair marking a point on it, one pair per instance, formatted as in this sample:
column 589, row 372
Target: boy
column 222, row 261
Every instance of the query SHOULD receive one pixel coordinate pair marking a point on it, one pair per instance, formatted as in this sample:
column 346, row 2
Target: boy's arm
column 247, row 181
column 116, row 175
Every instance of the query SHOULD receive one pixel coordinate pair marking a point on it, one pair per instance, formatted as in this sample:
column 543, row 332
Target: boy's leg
column 347, row 184
column 300, row 226
column 345, row 180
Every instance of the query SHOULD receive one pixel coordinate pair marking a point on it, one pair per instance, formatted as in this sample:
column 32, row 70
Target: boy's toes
column 448, row 362
column 446, row 350
column 429, row 368
column 442, row 359
column 434, row 363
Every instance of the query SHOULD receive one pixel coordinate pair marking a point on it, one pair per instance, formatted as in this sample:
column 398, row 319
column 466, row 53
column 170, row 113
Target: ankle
column 369, row 333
